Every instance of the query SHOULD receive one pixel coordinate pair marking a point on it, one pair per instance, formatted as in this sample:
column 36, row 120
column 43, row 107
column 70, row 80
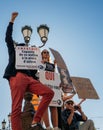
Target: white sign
column 27, row 57
column 52, row 80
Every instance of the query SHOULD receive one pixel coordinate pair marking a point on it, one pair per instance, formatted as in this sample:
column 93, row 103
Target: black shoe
column 37, row 126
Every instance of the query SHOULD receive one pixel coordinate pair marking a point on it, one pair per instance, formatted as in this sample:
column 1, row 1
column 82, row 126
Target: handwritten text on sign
column 27, row 57
column 52, row 80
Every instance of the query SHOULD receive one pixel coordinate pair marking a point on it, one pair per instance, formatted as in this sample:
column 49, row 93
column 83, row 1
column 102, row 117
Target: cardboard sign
column 27, row 57
column 66, row 82
column 52, row 80
column 84, row 88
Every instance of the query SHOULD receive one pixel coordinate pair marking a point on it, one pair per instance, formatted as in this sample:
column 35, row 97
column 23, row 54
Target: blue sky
column 76, row 31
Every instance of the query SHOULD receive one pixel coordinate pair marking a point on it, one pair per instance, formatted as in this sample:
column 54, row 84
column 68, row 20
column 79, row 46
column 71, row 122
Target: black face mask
column 21, row 44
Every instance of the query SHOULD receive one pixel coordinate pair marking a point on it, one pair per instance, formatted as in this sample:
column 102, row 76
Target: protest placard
column 27, row 57
column 66, row 82
column 52, row 80
column 84, row 88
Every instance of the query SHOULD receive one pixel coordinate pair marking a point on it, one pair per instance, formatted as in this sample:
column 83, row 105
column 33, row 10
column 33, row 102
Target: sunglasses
column 45, row 52
column 69, row 103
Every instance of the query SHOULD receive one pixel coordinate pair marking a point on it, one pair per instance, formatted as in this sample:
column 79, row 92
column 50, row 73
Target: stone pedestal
column 28, row 112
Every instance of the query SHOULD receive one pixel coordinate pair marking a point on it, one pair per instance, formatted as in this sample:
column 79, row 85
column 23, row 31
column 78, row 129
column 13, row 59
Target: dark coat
column 74, row 124
column 10, row 69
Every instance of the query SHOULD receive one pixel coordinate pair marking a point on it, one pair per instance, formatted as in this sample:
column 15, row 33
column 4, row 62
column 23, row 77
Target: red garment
column 20, row 84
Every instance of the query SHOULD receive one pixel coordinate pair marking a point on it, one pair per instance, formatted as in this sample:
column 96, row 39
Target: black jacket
column 50, row 67
column 10, row 69
column 74, row 124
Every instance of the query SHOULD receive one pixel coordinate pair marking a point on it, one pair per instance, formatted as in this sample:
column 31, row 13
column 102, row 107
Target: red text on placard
column 49, row 75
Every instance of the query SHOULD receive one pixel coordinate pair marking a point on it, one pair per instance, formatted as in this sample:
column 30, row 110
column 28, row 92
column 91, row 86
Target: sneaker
column 56, row 128
column 49, row 128
column 37, row 126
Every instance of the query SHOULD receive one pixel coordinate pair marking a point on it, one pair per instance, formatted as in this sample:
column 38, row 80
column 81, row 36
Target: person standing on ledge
column 21, row 81
column 53, row 110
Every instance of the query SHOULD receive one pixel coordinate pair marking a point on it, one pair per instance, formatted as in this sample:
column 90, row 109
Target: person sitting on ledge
column 72, row 115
